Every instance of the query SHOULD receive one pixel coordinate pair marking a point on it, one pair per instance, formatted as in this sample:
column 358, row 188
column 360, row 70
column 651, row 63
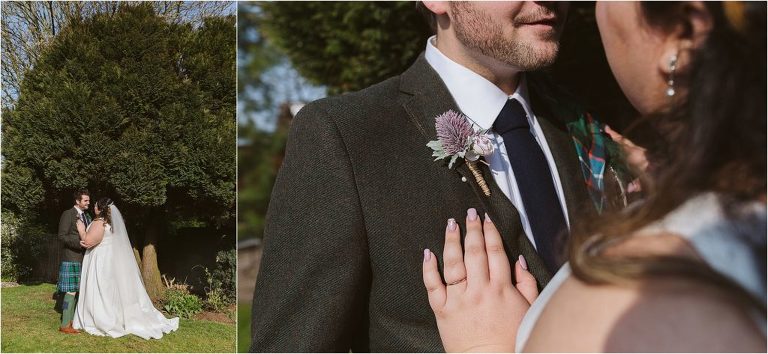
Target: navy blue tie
column 534, row 179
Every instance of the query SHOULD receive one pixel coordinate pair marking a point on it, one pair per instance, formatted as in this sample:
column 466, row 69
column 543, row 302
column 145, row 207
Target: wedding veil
column 139, row 314
column 124, row 260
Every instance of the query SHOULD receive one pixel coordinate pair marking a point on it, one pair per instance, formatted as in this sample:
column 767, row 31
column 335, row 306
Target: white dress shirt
column 481, row 101
column 80, row 214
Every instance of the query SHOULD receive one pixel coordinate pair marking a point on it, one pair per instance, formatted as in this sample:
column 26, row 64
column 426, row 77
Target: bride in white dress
column 113, row 301
column 685, row 269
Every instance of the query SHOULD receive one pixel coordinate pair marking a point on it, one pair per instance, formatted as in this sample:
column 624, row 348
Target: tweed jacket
column 69, row 237
column 358, row 198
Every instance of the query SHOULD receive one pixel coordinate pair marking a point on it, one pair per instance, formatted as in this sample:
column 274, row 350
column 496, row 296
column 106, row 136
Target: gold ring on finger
column 458, row 281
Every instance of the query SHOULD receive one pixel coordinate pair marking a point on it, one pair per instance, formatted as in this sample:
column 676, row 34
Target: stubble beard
column 476, row 30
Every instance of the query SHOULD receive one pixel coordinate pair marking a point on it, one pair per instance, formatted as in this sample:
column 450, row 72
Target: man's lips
column 552, row 22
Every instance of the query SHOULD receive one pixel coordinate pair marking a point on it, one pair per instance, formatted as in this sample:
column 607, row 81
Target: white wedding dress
column 113, row 301
column 733, row 245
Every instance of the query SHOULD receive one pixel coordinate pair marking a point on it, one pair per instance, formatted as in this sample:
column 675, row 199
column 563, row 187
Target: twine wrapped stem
column 479, row 177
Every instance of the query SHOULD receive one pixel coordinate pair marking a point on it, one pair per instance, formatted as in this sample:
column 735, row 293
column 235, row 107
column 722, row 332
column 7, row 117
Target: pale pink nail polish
column 471, row 214
column 487, row 218
column 451, row 224
column 427, row 255
column 634, row 186
column 523, row 263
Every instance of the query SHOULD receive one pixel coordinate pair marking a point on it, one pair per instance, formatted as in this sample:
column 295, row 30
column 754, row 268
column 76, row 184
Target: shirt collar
column 478, row 98
column 78, row 210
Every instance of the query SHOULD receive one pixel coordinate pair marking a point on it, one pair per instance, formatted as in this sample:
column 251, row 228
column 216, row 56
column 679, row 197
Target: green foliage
column 261, row 148
column 243, row 326
column 259, row 164
column 23, row 244
column 346, row 45
column 130, row 106
column 257, row 56
column 215, row 300
column 225, row 273
column 10, row 270
column 28, row 190
column 222, row 288
column 266, row 82
column 179, row 302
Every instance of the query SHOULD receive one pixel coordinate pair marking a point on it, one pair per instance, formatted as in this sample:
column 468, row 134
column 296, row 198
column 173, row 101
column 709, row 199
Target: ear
column 695, row 23
column 437, row 7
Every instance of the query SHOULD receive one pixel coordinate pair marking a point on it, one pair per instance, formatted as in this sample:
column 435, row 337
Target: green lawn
column 243, row 327
column 30, row 324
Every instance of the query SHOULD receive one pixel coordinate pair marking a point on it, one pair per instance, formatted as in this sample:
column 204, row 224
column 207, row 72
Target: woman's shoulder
column 105, row 224
column 650, row 315
column 100, row 223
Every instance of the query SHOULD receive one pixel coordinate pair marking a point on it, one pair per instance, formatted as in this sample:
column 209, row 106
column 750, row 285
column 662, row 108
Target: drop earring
column 671, row 81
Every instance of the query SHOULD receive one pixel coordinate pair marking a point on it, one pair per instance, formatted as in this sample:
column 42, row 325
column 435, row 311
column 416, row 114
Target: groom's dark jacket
column 359, row 197
column 69, row 236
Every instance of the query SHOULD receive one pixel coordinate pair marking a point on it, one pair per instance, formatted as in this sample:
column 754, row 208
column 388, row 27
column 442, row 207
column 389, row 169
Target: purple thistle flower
column 453, row 130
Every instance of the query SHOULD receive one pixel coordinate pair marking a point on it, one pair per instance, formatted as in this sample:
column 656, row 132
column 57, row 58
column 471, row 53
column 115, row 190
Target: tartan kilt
column 69, row 277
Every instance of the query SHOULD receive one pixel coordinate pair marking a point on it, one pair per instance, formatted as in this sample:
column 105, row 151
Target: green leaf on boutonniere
column 458, row 139
column 437, row 150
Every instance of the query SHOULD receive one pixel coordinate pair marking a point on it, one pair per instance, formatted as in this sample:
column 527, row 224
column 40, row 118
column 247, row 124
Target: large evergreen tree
column 346, row 45
column 134, row 107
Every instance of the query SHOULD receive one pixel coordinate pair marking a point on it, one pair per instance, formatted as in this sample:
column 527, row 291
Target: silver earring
column 671, row 81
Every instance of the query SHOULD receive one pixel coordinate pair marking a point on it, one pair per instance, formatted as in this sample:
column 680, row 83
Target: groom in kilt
column 72, row 257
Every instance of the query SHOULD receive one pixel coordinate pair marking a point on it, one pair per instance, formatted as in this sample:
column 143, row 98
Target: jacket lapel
column 425, row 97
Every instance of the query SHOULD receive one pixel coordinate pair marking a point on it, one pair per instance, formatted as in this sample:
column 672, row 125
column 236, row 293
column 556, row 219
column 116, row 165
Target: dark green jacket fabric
column 69, row 237
column 358, row 198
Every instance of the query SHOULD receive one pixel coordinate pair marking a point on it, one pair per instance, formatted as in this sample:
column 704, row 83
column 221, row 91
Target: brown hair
column 713, row 141
column 104, row 210
column 78, row 195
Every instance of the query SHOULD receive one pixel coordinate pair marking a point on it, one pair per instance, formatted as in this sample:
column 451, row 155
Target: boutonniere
column 457, row 139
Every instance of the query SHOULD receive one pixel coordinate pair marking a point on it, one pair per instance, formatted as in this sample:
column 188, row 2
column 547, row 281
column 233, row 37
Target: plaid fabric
column 69, row 277
column 590, row 144
column 596, row 151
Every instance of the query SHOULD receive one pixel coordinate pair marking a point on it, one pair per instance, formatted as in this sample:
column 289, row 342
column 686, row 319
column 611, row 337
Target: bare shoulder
column 651, row 316
column 98, row 224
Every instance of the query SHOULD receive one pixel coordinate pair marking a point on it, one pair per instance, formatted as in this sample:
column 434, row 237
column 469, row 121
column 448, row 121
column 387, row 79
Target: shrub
column 179, row 301
column 225, row 273
column 216, row 301
column 11, row 270
column 23, row 244
column 221, row 288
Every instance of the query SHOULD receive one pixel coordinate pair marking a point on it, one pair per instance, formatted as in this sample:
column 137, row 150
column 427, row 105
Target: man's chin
column 541, row 40
column 540, row 55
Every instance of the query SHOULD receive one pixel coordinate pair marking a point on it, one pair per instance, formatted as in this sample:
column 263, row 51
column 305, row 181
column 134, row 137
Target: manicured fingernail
column 487, row 218
column 523, row 263
column 634, row 186
column 451, row 224
column 427, row 255
column 472, row 214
